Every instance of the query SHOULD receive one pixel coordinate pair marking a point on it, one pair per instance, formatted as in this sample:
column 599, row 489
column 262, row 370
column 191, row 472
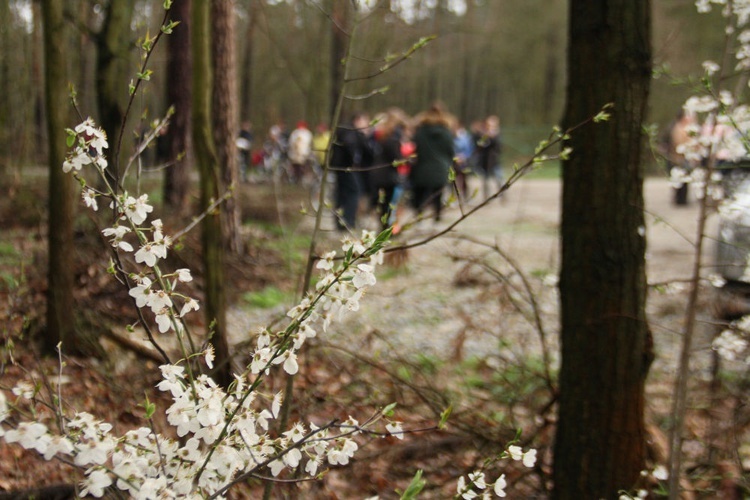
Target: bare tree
column 606, row 344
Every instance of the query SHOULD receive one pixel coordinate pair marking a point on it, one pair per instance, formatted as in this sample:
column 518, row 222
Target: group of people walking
column 394, row 161
column 387, row 162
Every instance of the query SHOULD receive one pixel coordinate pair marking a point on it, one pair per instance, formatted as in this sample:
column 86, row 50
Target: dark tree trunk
column 5, row 94
column 600, row 442
column 246, row 69
column 224, row 114
column 339, row 41
column 60, row 317
column 205, row 156
column 113, row 45
column 179, row 95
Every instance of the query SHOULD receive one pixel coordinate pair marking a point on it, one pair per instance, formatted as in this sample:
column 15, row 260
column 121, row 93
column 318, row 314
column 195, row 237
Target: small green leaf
column 415, row 487
column 168, row 28
column 444, row 417
column 388, row 410
column 149, row 407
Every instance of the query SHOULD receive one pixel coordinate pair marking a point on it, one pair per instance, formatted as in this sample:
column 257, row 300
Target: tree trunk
column 225, row 114
column 179, row 95
column 340, row 16
column 60, row 317
column 205, row 156
column 600, row 442
column 113, row 44
column 246, row 69
column 5, row 89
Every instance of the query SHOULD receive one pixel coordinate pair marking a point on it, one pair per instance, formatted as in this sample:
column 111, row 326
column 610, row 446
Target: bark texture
column 225, row 104
column 205, row 156
column 60, row 317
column 179, row 95
column 113, row 45
column 606, row 343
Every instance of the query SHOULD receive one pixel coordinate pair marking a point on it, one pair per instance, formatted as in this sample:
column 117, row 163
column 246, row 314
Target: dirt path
column 438, row 305
column 424, row 306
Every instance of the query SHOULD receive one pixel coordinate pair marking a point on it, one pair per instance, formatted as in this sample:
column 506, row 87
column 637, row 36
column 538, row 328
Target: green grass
column 7, row 250
column 267, row 298
column 549, row 170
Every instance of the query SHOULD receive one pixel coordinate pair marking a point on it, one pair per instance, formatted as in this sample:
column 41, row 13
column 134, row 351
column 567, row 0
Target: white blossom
column 89, row 199
column 141, row 292
column 30, row 435
column 661, row 473
column 137, row 209
column 209, row 355
column 94, row 136
column 163, row 320
column 326, row 263
column 711, row 68
column 190, row 305
column 290, row 363
column 147, row 254
column 95, row 483
column 730, row 345
column 117, row 233
column 395, row 429
column 500, row 485
column 183, row 275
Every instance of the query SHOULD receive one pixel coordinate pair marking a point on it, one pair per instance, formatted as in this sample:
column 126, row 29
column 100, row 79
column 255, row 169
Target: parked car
column 733, row 242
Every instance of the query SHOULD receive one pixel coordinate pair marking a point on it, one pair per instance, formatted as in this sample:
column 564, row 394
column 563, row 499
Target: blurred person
column 300, row 151
column 275, row 150
column 384, row 177
column 350, row 153
column 321, row 138
column 678, row 136
column 463, row 143
column 488, row 149
column 431, row 169
column 244, row 146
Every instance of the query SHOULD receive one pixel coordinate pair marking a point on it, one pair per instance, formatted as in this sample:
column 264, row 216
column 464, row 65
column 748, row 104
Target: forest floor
column 467, row 320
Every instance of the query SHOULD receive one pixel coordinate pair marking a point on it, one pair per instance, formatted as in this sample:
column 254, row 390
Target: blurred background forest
column 490, row 57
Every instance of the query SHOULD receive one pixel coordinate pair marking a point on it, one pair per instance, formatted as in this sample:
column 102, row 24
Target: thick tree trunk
column 113, row 45
column 205, row 156
column 225, row 113
column 60, row 317
column 600, row 442
column 179, row 95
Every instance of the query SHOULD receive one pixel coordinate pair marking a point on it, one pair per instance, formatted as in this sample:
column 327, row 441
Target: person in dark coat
column 383, row 176
column 434, row 147
column 350, row 153
column 488, row 148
